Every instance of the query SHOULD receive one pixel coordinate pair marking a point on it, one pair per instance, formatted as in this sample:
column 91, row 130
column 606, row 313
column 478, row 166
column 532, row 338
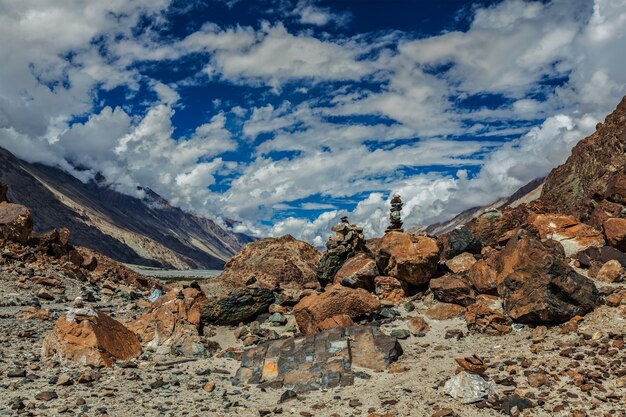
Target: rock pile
column 395, row 214
column 348, row 240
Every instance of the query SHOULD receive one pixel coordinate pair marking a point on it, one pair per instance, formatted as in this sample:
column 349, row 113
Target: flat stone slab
column 321, row 360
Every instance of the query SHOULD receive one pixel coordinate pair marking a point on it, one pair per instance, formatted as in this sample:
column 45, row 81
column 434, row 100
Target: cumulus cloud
column 326, row 117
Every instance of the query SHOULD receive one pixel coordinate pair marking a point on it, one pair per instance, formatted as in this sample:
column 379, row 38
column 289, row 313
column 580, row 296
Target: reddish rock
column 274, row 262
column 390, row 289
column 30, row 313
column 603, row 211
column 357, row 272
column 16, row 222
column 461, row 263
column 411, row 259
column 417, row 325
column 341, row 320
column 538, row 286
column 173, row 324
column 457, row 241
column 472, row 364
column 595, row 161
column 616, row 189
column 610, row 272
column 90, row 338
column 484, row 276
column 453, row 289
column 615, row 231
column 445, row 311
column 570, row 233
column 336, row 300
column 482, row 319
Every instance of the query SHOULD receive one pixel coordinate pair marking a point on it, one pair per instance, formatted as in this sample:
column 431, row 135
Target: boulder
column 331, row 262
column 454, row 289
column 90, row 338
column 603, row 211
column 615, row 231
column 482, row 319
column 483, row 275
column 417, row 325
column 616, row 189
column 357, row 272
column 469, row 387
column 274, row 262
column 458, row 241
column 570, row 233
column 390, row 289
column 603, row 255
column 538, row 286
column 610, row 272
column 16, row 222
column 461, row 263
column 336, row 300
column 411, row 259
column 236, row 306
column 445, row 311
column 321, row 361
column 174, row 323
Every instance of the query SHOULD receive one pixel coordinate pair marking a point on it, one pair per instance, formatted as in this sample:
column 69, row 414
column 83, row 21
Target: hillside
column 147, row 232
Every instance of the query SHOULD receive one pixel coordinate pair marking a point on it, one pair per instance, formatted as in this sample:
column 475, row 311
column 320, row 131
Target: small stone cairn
column 395, row 216
column 348, row 240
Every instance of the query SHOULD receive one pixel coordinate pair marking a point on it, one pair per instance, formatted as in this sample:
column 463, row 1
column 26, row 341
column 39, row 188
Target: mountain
column 525, row 194
column 146, row 231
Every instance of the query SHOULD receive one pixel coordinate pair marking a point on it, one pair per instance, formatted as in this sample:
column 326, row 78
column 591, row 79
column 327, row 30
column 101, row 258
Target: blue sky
column 286, row 115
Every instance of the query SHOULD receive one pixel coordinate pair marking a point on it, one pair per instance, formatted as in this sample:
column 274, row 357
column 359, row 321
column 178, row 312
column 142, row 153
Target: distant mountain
column 146, row 231
column 526, row 194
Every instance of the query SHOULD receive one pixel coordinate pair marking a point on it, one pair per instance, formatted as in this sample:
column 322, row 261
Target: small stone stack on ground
column 395, row 216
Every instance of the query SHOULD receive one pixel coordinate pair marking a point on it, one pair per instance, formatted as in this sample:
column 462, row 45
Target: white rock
column 469, row 388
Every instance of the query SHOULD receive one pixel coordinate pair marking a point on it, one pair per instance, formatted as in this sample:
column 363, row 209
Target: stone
column 444, row 412
column 320, row 361
column 515, row 402
column 445, row 311
column 173, row 326
column 461, row 263
column 282, row 262
column 411, row 259
column 395, row 217
column 417, row 325
column 348, row 240
column 481, row 319
column 30, row 313
column 469, row 387
column 453, row 289
column 90, row 337
column 537, row 379
column 340, row 320
column 615, row 231
column 64, row 380
column 277, row 319
column 483, row 276
column 209, row 387
column 610, row 272
column 573, row 235
column 537, row 286
column 236, row 306
column 457, row 241
column 16, row 222
column 44, row 294
column 400, row 334
column 472, row 364
column 390, row 289
column 336, row 300
column 357, row 272
column 46, row 396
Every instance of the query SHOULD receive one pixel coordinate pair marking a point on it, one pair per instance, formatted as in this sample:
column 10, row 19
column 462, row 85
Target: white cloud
column 311, row 14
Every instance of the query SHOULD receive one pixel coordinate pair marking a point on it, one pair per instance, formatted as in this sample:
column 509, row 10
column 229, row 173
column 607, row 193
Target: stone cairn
column 348, row 240
column 395, row 216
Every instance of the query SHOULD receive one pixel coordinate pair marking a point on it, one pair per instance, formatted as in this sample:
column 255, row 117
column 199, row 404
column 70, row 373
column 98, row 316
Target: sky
column 286, row 115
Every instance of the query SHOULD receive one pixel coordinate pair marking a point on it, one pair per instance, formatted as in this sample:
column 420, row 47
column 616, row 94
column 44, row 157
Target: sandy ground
column 426, row 364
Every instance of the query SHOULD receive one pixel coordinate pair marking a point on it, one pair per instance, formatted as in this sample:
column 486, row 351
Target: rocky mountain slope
column 145, row 232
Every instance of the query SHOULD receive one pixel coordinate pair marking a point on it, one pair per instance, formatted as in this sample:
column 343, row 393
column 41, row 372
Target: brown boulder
column 274, row 262
column 357, row 272
column 390, row 289
column 336, row 300
column 173, row 324
column 16, row 222
column 484, row 276
column 616, row 189
column 615, row 231
column 445, row 311
column 570, row 233
column 482, row 319
column 610, row 272
column 603, row 211
column 457, row 241
column 409, row 258
column 341, row 320
column 453, row 289
column 417, row 325
column 461, row 263
column 90, row 338
column 538, row 286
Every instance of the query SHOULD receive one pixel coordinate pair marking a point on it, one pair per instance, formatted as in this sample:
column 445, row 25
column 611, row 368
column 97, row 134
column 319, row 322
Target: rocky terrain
column 521, row 311
column 146, row 231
